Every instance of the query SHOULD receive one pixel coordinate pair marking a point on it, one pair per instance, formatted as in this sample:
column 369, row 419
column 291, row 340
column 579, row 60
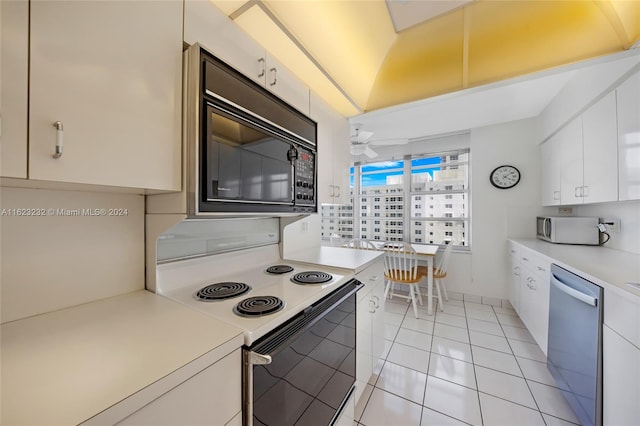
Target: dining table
column 428, row 253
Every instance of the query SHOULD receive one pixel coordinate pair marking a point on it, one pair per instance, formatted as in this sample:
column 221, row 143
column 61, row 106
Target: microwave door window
column 277, row 180
column 251, row 175
column 226, row 162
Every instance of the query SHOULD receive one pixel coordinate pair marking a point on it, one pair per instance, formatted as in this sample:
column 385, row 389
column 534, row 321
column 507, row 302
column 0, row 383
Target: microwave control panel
column 305, row 177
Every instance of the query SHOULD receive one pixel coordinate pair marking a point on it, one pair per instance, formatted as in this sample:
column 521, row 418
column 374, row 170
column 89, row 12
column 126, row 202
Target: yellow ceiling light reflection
column 349, row 38
column 348, row 53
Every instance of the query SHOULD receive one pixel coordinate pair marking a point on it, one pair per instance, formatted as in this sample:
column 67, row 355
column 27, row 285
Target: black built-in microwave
column 256, row 153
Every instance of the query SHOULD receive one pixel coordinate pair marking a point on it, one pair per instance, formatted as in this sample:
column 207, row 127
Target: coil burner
column 311, row 277
column 221, row 291
column 258, row 306
column 279, row 269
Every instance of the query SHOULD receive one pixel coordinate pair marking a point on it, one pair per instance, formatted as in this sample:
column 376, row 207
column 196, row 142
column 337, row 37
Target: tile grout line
column 475, row 375
column 523, row 376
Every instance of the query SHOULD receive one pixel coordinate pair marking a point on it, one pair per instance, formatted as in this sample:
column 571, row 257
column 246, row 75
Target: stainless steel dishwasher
column 574, row 353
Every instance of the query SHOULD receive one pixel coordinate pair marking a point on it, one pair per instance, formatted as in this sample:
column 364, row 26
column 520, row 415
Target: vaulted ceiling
column 383, row 53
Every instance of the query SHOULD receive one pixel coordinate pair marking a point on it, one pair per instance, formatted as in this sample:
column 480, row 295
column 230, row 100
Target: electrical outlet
column 565, row 210
column 613, row 224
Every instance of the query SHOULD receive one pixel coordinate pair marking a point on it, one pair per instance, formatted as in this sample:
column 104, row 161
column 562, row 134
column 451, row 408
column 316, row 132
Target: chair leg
column 417, row 290
column 386, row 289
column 439, row 301
column 412, row 291
column 444, row 290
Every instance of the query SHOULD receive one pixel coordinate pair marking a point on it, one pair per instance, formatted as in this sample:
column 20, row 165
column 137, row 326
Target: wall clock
column 505, row 177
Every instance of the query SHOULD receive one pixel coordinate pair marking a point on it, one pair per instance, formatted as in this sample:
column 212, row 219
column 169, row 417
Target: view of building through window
column 430, row 207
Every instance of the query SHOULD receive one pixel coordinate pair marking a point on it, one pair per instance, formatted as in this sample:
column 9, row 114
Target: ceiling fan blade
column 364, row 136
column 399, row 141
column 370, row 153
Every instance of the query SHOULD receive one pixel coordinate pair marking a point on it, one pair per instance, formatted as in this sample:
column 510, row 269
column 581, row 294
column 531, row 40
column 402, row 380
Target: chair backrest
column 400, row 262
column 444, row 260
column 361, row 244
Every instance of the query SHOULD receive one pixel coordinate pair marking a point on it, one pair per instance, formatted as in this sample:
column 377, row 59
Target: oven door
column 242, row 162
column 303, row 373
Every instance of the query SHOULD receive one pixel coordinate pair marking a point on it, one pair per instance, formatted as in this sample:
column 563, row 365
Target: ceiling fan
column 361, row 142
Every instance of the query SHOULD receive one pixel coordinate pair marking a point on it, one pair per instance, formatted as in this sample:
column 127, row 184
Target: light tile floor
column 471, row 364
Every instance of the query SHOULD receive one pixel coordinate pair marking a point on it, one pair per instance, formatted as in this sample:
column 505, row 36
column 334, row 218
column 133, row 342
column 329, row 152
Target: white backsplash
column 65, row 257
column 197, row 237
column 628, row 213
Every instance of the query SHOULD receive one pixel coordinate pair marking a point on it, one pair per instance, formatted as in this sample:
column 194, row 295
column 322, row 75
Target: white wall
column 499, row 214
column 52, row 262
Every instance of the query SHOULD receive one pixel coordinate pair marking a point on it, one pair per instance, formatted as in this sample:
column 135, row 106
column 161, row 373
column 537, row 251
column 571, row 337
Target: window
column 432, row 188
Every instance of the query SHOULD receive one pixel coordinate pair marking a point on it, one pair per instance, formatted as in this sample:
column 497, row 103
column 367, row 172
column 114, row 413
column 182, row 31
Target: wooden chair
column 401, row 267
column 439, row 274
column 361, row 244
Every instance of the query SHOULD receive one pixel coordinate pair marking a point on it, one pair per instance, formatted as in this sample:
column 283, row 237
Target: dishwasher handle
column 585, row 298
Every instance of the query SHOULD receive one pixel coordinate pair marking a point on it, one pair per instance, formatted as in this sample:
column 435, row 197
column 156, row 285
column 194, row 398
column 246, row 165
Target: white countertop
column 601, row 265
column 337, row 257
column 67, row 366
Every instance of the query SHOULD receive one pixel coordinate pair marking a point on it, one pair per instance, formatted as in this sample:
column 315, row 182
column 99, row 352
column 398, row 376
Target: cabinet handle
column 525, row 259
column 274, row 72
column 541, row 269
column 59, row 140
column 337, row 186
column 377, row 299
column 576, row 192
column 372, row 308
column 261, row 67
column 374, row 278
column 556, row 195
column 333, row 190
column 585, row 191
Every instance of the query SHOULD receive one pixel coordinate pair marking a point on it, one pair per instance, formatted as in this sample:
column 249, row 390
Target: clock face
column 505, row 177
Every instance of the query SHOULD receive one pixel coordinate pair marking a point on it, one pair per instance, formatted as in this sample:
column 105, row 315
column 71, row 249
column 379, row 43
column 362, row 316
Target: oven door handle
column 255, row 358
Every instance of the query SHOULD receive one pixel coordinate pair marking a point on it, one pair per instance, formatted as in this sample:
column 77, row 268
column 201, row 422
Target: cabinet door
column 621, row 380
column 377, row 322
column 321, row 113
column 204, row 23
column 550, row 179
column 364, row 357
column 600, row 147
column 211, row 397
column 571, row 162
column 514, row 281
column 14, row 49
column 284, row 84
column 628, row 99
column 111, row 73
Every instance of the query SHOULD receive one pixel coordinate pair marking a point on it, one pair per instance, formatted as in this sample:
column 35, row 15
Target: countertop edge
column 587, row 269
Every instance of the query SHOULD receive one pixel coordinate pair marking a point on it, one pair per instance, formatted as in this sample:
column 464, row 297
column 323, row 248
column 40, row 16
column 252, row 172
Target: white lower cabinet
column 529, row 291
column 213, row 397
column 514, row 277
column 621, row 380
column 369, row 324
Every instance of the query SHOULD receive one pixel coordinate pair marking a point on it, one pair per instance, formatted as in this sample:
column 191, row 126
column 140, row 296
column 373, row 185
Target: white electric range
column 182, row 280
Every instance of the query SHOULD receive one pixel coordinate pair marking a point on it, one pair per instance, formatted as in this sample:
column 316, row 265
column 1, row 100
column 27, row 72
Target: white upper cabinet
column 207, row 25
column 628, row 98
column 571, row 162
column 111, row 74
column 550, row 193
column 584, row 154
column 600, row 150
column 14, row 84
column 333, row 153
